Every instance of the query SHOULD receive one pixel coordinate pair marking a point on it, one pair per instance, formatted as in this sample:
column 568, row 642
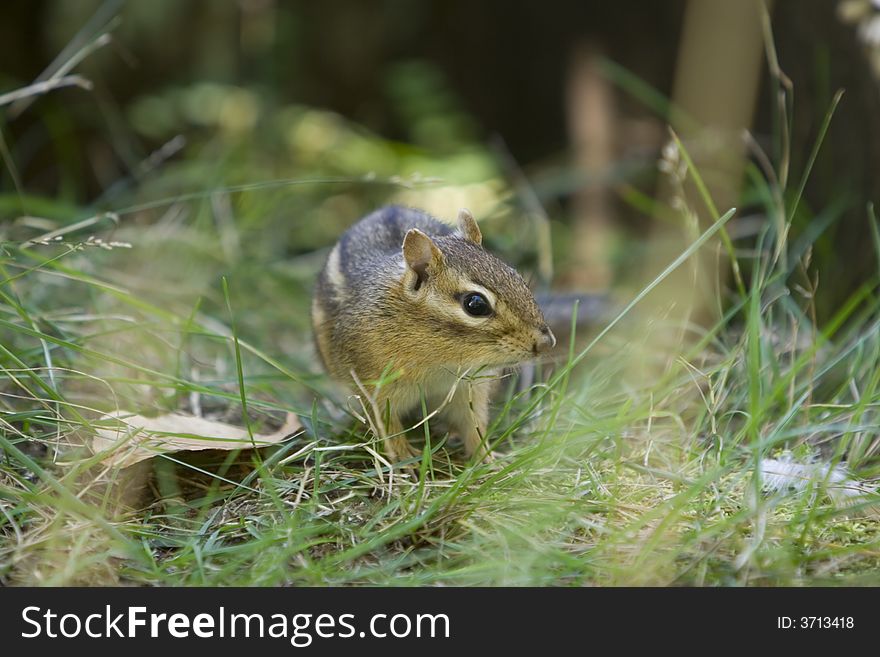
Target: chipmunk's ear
column 467, row 226
column 422, row 258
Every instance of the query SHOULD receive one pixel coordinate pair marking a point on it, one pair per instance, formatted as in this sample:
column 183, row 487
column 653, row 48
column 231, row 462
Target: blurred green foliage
column 192, row 97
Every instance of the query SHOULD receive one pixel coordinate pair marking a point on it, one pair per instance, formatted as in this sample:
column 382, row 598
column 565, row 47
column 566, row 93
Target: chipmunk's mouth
column 517, row 356
column 544, row 341
column 518, row 348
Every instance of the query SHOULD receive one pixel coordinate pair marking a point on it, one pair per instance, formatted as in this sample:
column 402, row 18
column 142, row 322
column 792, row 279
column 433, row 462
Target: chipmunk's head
column 478, row 310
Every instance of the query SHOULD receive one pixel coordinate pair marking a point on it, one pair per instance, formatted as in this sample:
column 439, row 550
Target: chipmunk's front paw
column 485, row 457
column 399, row 450
column 491, row 462
column 479, row 453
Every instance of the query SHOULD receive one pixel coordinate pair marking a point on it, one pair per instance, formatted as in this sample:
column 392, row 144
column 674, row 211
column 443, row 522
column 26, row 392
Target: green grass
column 636, row 460
column 603, row 479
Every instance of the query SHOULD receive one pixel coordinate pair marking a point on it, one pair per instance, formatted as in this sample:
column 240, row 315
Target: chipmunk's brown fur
column 390, row 304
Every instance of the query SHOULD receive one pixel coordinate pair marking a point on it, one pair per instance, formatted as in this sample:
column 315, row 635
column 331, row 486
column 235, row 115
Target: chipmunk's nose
column 545, row 340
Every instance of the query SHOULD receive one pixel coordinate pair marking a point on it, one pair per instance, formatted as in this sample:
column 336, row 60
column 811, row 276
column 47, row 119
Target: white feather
column 779, row 475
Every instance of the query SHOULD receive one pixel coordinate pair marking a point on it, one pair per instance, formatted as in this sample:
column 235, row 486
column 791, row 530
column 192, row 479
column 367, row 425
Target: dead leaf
column 138, row 438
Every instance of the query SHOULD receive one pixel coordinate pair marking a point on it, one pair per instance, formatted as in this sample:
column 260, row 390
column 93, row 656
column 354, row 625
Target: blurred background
column 557, row 109
column 173, row 174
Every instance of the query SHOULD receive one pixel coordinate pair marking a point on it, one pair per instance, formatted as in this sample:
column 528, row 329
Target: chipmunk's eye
column 476, row 304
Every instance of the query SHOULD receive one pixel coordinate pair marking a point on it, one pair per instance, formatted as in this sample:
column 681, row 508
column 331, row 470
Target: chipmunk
column 408, row 306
